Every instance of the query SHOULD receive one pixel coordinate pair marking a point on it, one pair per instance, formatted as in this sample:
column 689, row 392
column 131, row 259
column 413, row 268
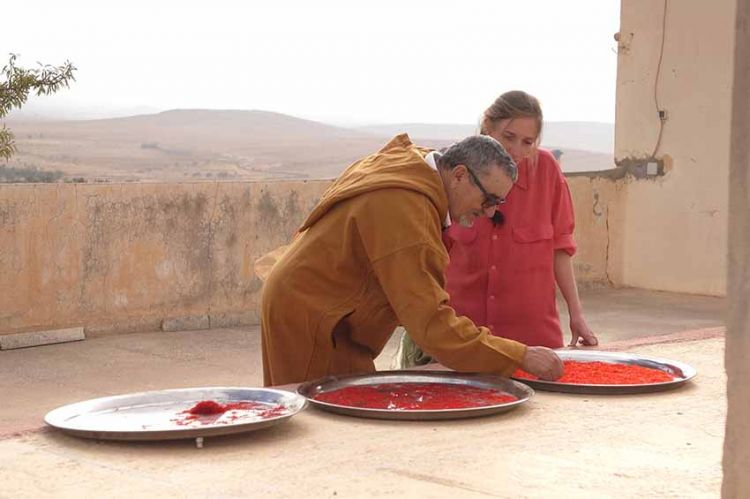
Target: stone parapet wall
column 138, row 257
column 171, row 256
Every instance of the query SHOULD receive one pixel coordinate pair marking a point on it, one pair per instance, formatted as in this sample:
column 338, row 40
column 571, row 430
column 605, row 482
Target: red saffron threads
column 604, row 373
column 212, row 412
column 415, row 396
column 207, row 407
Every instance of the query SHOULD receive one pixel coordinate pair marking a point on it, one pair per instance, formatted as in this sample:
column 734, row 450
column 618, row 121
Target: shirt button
column 492, row 297
column 494, row 236
column 493, row 268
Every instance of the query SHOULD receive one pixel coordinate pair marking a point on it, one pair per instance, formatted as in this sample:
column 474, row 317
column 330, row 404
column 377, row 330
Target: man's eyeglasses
column 490, row 199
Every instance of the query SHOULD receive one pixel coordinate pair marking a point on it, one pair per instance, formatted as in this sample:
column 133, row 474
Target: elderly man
column 370, row 257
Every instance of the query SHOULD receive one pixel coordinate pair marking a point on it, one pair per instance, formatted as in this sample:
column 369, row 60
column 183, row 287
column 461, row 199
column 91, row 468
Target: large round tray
column 151, row 415
column 682, row 373
column 311, row 388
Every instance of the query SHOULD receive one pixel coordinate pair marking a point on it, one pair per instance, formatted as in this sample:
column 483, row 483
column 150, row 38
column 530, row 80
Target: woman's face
column 518, row 136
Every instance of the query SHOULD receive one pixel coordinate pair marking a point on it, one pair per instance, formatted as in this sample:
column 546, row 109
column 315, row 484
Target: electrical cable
column 662, row 117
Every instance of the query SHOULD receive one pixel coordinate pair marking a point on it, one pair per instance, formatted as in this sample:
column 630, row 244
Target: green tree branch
column 19, row 82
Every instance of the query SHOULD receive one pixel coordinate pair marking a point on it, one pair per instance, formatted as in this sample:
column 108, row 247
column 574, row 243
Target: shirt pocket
column 465, row 253
column 533, row 248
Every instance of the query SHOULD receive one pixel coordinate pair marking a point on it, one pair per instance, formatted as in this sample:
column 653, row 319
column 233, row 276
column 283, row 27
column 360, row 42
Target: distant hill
column 585, row 145
column 194, row 144
column 233, row 144
column 44, row 110
column 256, row 125
column 441, row 132
column 582, row 135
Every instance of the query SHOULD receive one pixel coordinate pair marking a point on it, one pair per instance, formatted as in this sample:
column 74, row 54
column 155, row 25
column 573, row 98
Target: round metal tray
column 156, row 415
column 329, row 383
column 682, row 373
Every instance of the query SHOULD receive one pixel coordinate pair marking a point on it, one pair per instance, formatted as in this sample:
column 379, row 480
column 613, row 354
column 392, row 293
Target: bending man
column 370, row 257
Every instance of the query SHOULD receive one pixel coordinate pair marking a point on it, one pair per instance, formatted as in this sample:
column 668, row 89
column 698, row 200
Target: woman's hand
column 579, row 330
column 581, row 333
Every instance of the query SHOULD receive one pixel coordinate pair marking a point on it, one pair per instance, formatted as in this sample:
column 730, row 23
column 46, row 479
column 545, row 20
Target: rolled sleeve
column 566, row 243
column 563, row 218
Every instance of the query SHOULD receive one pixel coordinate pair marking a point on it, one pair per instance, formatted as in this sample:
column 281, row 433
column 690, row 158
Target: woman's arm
column 565, row 278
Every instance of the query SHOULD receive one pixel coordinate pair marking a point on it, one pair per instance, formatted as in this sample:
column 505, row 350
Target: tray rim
column 415, row 415
column 688, row 371
column 56, row 418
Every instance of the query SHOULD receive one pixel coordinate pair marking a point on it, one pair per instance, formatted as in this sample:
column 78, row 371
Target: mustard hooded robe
column 368, row 258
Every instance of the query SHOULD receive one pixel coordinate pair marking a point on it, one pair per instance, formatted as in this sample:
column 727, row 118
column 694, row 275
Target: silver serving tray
column 154, row 415
column 682, row 373
column 312, row 388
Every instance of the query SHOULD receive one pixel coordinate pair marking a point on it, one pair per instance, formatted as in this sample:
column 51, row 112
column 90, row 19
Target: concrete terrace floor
column 39, row 462
column 38, row 379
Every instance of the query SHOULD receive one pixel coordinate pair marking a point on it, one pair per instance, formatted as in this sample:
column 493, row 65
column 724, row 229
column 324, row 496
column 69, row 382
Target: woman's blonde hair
column 511, row 105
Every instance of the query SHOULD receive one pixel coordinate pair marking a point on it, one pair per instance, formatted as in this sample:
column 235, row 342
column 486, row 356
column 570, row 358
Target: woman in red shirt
column 503, row 271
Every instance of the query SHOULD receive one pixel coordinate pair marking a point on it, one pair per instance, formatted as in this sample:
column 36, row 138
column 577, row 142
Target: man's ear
column 459, row 172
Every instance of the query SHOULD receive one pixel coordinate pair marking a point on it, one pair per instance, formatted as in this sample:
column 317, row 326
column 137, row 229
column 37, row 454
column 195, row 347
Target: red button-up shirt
column 502, row 276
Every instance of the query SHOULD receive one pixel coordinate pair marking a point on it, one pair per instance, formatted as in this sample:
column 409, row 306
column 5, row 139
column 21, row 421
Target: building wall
column 675, row 225
column 144, row 257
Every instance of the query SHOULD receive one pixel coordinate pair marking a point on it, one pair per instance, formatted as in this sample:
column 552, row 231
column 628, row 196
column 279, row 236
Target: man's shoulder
column 398, row 206
column 400, row 216
column 395, row 198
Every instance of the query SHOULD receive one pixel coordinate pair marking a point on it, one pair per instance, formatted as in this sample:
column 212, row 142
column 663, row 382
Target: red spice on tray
column 415, row 396
column 207, row 407
column 211, row 412
column 605, row 373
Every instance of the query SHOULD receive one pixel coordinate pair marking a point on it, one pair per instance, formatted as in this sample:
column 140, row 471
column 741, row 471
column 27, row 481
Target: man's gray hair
column 479, row 153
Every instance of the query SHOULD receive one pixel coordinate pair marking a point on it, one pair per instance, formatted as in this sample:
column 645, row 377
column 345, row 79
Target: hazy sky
column 335, row 61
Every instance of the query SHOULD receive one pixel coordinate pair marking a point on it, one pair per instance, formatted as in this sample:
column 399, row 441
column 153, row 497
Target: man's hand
column 542, row 362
